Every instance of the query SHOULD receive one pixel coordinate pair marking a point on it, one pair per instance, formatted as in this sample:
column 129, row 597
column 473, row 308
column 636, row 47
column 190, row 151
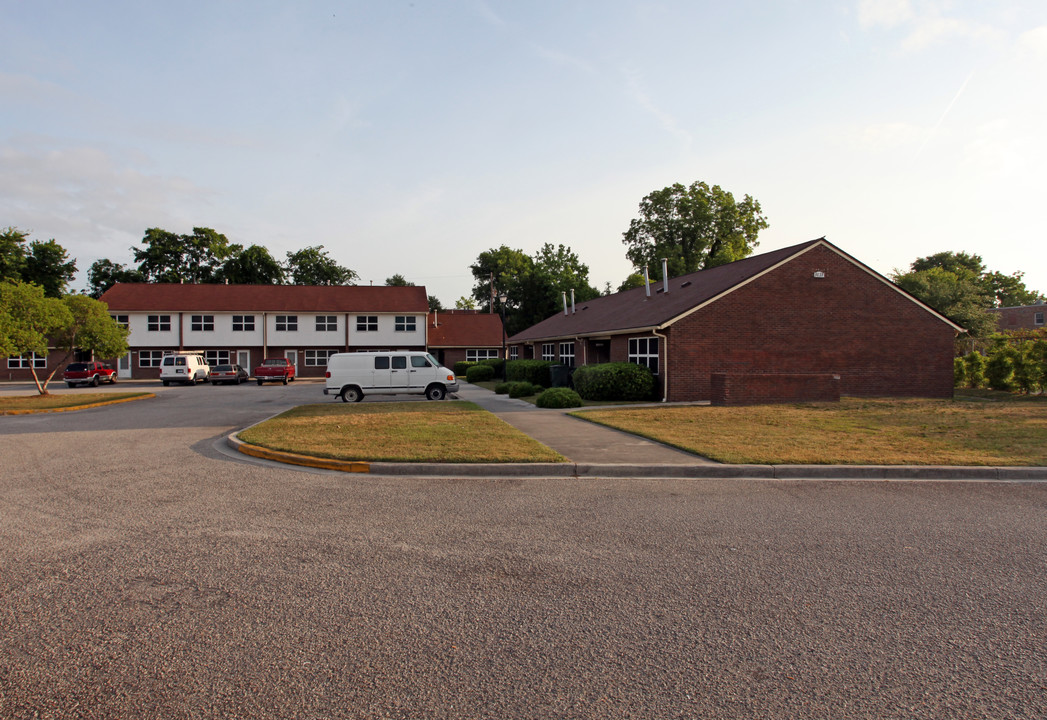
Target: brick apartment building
column 806, row 322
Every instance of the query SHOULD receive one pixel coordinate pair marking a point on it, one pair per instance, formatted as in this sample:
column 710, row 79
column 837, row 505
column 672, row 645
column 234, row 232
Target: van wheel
column 435, row 392
column 351, row 394
column 165, row 383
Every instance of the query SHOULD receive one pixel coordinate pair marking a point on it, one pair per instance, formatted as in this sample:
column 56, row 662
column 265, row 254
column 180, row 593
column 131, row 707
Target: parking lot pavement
column 143, row 574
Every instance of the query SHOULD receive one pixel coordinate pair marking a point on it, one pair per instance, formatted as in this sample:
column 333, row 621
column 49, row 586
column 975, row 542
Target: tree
column 398, row 280
column 634, row 280
column 464, row 303
column 694, row 227
column 253, row 266
column 313, row 266
column 958, row 296
column 28, row 318
column 999, row 289
column 45, row 263
column 104, row 273
column 91, row 329
column 48, row 265
column 434, row 304
column 172, row 258
column 1009, row 290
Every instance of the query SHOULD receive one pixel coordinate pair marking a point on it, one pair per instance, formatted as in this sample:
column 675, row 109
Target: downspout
column 665, row 368
column 347, row 332
column 181, row 331
column 265, row 335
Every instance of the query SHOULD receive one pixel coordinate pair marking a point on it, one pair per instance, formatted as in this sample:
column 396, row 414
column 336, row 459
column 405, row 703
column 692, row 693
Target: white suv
column 186, row 368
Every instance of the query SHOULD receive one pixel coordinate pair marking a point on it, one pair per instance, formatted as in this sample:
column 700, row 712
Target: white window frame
column 26, row 362
column 406, row 323
column 286, row 323
column 640, row 352
column 567, row 354
column 150, row 358
column 201, row 323
column 480, row 354
column 158, row 323
column 326, row 323
column 1037, row 318
column 366, row 323
column 243, row 323
column 549, row 351
column 514, row 352
column 318, row 358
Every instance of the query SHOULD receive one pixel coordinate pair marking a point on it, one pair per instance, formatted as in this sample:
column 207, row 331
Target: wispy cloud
column 925, row 25
column 634, row 85
column 945, row 114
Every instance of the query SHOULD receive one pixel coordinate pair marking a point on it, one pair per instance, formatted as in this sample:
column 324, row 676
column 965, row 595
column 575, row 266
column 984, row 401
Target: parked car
column 187, row 368
column 88, row 373
column 350, row 376
column 228, row 374
column 274, row 370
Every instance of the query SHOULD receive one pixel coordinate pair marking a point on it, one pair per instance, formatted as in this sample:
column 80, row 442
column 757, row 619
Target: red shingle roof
column 171, row 297
column 465, row 330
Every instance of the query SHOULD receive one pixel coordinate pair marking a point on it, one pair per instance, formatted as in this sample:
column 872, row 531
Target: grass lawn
column 450, row 431
column 17, row 404
column 975, row 428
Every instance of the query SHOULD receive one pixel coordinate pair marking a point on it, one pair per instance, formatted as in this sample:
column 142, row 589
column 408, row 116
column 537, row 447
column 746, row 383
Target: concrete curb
column 695, row 472
column 74, row 408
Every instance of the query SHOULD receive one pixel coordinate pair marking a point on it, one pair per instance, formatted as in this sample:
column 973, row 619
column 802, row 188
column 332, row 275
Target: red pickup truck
column 274, row 370
column 88, row 373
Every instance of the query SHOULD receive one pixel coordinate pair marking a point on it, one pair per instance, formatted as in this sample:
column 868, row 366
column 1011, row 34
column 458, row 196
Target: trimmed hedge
column 462, row 367
column 523, row 389
column 502, row 388
column 496, row 363
column 535, row 372
column 614, row 381
column 479, row 373
column 558, row 398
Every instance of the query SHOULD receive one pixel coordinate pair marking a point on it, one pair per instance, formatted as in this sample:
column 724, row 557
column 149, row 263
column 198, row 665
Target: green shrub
column 975, row 369
column 959, row 372
column 522, row 389
column 999, row 371
column 558, row 398
column 479, row 373
column 462, row 367
column 614, row 381
column 496, row 363
column 502, row 388
column 535, row 372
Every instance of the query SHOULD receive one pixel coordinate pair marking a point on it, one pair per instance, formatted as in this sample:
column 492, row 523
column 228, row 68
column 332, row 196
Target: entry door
column 243, row 359
column 292, row 355
column 123, row 367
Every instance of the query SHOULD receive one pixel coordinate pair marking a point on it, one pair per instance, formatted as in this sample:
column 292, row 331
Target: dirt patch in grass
column 968, row 430
column 24, row 404
column 399, row 432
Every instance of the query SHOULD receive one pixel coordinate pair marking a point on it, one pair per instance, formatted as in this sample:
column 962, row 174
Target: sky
column 409, row 136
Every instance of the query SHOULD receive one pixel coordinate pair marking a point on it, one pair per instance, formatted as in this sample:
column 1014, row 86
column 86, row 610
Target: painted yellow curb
column 146, row 396
column 353, row 466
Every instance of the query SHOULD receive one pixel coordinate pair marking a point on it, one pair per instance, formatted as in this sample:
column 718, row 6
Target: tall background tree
column 253, row 266
column 104, row 273
column 44, row 263
column 171, row 258
column 314, row 266
column 959, row 286
column 534, row 285
column 399, row 280
column 694, row 227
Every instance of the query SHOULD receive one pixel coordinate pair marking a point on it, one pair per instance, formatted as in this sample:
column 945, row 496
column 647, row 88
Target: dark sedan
column 228, row 374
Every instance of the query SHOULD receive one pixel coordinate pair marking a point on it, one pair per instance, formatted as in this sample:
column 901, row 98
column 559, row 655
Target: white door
column 123, row 367
column 243, row 359
column 292, row 355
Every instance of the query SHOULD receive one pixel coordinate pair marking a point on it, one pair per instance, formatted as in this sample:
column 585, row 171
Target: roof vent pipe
column 573, row 311
column 436, row 318
column 647, row 281
column 665, row 275
column 565, row 303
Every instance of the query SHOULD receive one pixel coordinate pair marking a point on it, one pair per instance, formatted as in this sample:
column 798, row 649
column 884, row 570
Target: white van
column 350, row 376
column 184, row 367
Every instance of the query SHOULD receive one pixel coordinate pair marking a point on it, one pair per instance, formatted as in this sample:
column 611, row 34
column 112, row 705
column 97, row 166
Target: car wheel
column 112, row 379
column 351, row 394
column 72, row 385
column 435, row 392
column 214, row 382
column 94, row 381
column 285, row 380
column 259, row 383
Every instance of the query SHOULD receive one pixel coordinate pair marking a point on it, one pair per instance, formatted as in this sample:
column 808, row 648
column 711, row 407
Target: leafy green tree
column 999, row 289
column 104, row 273
column 434, row 304
column 695, row 228
column 91, row 329
column 398, row 280
column 253, row 266
column 975, row 369
column 634, row 280
column 313, row 266
column 28, row 318
column 12, row 253
column 173, row 258
column 958, row 295
column 464, row 303
column 1009, row 290
column 48, row 265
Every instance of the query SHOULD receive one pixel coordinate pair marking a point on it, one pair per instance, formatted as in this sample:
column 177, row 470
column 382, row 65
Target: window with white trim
column 158, row 323
column 477, row 355
column 217, row 357
column 405, row 323
column 366, row 323
column 644, row 351
column 548, row 351
column 514, row 352
column 25, row 362
column 201, row 323
column 318, row 358
column 150, row 358
column 1037, row 319
column 287, row 323
column 567, row 354
column 243, row 323
column 326, row 323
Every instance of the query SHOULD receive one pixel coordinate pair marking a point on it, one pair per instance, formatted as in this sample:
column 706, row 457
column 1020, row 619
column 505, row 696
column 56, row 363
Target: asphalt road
column 146, row 574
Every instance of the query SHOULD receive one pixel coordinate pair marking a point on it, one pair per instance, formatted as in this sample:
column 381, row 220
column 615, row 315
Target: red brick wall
column 748, row 389
column 848, row 323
